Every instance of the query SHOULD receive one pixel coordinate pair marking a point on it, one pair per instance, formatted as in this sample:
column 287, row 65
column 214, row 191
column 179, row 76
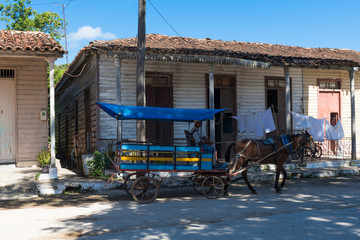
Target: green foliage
column 44, row 157
column 18, row 16
column 97, row 166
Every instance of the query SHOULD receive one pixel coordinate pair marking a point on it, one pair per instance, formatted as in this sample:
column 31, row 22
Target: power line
column 163, row 18
column 63, row 7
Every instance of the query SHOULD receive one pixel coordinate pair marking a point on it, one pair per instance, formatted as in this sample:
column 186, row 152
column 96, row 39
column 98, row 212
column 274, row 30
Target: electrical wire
column 164, row 18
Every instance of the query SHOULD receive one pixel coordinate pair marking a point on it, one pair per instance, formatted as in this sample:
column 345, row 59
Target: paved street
column 327, row 208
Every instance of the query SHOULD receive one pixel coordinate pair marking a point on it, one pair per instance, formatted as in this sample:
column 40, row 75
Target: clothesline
column 318, row 128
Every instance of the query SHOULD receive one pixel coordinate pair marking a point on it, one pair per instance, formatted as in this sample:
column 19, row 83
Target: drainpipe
column 53, row 169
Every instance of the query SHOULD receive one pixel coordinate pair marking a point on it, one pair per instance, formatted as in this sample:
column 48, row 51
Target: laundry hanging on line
column 255, row 125
column 316, row 127
column 334, row 132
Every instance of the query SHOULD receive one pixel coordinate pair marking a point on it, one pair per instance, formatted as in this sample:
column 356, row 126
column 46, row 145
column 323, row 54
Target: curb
column 256, row 174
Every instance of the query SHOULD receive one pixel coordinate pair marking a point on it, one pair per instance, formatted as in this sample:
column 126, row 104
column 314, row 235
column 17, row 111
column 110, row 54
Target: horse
column 251, row 150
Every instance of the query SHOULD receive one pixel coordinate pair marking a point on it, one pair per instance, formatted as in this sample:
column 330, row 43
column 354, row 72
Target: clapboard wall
column 189, row 89
column 31, row 133
column 70, row 109
column 311, row 91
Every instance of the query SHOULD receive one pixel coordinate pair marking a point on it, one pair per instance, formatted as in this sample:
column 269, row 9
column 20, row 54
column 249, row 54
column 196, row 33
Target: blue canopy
column 123, row 112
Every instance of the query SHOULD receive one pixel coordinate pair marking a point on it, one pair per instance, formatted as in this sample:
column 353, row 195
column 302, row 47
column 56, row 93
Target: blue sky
column 305, row 23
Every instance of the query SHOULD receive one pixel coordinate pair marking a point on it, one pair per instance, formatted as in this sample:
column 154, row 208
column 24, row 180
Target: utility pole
column 63, row 6
column 140, row 73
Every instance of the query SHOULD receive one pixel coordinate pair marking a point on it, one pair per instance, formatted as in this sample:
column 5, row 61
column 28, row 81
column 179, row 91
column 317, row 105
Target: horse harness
column 285, row 140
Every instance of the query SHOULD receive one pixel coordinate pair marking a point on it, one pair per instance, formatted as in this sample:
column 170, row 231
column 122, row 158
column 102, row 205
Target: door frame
column 329, row 90
column 16, row 151
column 171, row 86
column 234, row 110
column 267, row 78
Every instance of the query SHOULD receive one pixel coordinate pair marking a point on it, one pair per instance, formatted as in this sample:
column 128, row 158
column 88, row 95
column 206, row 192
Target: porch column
column 140, row 73
column 211, row 102
column 353, row 119
column 287, row 99
column 53, row 169
column 117, row 62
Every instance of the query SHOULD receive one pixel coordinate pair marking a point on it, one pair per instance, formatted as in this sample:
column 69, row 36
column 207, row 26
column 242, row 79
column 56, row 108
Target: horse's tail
column 227, row 154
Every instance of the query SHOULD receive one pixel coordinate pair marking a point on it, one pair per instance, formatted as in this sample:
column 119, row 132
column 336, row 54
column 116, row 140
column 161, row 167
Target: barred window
column 7, row 73
column 329, row 83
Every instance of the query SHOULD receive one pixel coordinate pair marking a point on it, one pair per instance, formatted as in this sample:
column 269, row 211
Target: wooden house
column 24, row 94
column 181, row 72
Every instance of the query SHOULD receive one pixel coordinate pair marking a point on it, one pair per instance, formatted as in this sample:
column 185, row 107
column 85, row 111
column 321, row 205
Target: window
column 7, row 73
column 329, row 83
column 275, row 83
column 158, row 80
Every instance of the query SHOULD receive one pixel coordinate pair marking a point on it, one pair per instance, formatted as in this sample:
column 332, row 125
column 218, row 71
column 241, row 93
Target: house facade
column 182, row 73
column 24, row 94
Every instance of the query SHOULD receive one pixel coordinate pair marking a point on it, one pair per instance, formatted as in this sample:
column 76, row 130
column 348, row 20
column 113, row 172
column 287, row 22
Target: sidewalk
column 19, row 183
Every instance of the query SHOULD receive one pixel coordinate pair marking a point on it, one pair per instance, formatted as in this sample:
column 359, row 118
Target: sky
column 304, row 23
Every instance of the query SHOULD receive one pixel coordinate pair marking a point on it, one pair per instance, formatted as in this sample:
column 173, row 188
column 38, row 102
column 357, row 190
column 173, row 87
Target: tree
column 18, row 16
column 59, row 71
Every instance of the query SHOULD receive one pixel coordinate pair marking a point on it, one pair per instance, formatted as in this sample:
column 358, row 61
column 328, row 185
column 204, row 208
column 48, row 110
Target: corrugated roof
column 28, row 41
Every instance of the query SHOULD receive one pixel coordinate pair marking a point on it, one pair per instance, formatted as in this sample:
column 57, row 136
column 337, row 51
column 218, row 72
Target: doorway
column 7, row 117
column 159, row 93
column 329, row 108
column 275, row 98
column 225, row 125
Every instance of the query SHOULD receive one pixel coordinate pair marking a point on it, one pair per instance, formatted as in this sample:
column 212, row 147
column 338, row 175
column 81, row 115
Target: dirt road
column 308, row 208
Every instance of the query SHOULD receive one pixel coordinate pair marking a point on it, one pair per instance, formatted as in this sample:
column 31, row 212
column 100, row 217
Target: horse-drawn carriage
column 141, row 163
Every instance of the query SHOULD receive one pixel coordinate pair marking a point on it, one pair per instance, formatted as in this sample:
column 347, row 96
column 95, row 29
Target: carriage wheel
column 307, row 152
column 212, row 187
column 317, row 152
column 145, row 189
column 197, row 184
column 128, row 182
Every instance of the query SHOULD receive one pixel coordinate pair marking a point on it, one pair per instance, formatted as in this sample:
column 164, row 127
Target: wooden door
column 7, row 120
column 225, row 126
column 276, row 98
column 159, row 94
column 227, row 123
column 329, row 105
column 329, row 108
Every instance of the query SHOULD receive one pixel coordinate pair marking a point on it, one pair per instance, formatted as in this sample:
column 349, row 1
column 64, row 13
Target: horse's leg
column 283, row 171
column 277, row 179
column 244, row 175
column 226, row 186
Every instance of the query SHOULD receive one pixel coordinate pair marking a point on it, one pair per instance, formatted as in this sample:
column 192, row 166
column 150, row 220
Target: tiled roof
column 28, row 41
column 271, row 53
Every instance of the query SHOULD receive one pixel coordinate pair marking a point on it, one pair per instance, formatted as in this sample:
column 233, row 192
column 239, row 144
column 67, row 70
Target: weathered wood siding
column 251, row 88
column 311, row 91
column 189, row 89
column 31, row 99
column 68, row 115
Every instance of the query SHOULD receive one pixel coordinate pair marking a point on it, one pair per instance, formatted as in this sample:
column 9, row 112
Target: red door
column 329, row 105
column 329, row 108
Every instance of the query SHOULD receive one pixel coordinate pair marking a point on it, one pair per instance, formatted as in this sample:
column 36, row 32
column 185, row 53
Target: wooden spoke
column 212, row 187
column 145, row 189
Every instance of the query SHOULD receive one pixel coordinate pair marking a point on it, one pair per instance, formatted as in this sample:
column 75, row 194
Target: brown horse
column 253, row 150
